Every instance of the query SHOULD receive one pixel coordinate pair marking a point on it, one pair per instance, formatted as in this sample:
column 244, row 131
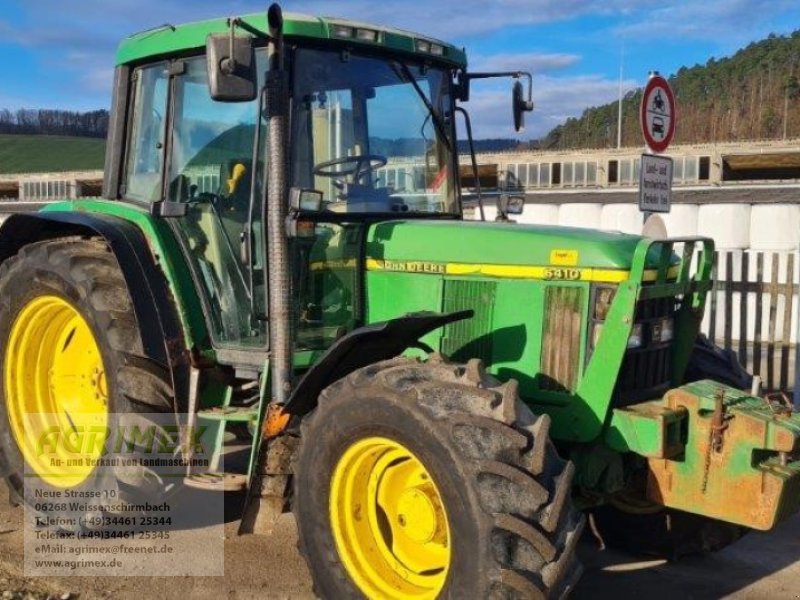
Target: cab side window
column 145, row 158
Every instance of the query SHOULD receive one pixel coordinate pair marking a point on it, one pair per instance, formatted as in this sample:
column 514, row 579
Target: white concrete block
column 621, row 217
column 681, row 221
column 727, row 224
column 490, row 210
column 474, row 213
column 775, row 227
column 584, row 215
column 539, row 214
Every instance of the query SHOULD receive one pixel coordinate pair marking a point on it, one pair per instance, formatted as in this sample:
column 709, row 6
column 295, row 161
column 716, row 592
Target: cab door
column 211, row 170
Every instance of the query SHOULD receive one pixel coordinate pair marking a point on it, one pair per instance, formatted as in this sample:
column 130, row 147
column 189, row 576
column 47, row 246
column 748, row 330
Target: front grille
column 646, row 372
column 469, row 338
column 561, row 339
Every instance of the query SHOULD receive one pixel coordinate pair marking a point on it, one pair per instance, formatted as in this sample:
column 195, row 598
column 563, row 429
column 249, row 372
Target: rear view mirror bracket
column 509, row 205
column 521, row 102
column 231, row 60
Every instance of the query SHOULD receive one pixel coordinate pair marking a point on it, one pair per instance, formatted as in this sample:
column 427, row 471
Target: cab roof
column 170, row 39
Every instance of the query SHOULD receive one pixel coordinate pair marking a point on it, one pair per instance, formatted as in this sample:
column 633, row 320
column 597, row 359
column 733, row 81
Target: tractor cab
column 369, row 136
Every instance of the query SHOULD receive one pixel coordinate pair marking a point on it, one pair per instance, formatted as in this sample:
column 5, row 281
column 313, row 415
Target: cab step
column 241, row 414
column 217, row 482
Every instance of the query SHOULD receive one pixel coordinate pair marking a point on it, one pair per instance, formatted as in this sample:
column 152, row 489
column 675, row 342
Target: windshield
column 373, row 135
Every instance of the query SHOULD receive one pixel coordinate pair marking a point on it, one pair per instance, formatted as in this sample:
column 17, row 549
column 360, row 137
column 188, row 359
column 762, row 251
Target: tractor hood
column 454, row 246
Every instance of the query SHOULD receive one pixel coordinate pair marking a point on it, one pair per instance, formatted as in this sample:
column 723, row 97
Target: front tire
column 72, row 358
column 432, row 480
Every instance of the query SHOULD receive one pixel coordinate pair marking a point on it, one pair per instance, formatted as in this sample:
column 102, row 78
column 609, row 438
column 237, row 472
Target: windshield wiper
column 435, row 117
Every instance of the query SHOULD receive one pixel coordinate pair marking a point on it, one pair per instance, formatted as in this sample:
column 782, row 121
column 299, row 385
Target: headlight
column 367, row 35
column 342, row 31
column 663, row 330
column 635, row 339
column 602, row 302
column 598, row 328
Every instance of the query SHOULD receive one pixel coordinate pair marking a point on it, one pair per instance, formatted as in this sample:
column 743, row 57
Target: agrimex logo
column 99, row 440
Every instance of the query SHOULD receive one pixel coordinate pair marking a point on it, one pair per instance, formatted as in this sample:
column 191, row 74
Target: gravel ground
column 759, row 566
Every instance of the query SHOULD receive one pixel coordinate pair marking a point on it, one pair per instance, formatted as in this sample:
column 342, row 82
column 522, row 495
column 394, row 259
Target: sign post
column 657, row 119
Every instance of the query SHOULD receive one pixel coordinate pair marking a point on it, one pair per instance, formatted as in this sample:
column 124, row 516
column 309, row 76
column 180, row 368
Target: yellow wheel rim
column 56, row 391
column 389, row 521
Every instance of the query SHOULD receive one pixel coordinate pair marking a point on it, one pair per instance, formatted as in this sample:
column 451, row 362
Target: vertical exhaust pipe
column 279, row 294
column 266, row 496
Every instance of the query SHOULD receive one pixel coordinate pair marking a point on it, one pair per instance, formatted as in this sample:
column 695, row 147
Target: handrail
column 690, row 282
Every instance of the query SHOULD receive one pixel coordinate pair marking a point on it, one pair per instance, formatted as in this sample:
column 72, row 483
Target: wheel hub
column 417, row 514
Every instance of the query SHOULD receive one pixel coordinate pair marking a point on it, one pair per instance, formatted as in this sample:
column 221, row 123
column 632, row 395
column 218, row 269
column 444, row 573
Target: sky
column 60, row 53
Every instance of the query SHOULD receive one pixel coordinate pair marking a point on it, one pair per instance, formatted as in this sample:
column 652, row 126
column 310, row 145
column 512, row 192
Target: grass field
column 47, row 153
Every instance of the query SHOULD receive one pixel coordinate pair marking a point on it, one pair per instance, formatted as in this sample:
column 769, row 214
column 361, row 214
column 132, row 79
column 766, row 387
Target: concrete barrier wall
column 539, row 214
column 773, row 227
column 682, row 220
column 621, row 217
column 580, row 215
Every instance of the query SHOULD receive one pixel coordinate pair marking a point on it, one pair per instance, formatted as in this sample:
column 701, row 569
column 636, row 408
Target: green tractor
column 280, row 252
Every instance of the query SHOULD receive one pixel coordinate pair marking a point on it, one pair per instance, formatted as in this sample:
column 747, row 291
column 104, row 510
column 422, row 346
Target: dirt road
column 759, row 566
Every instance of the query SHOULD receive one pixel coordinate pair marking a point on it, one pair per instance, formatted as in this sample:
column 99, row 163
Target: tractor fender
column 365, row 346
column 153, row 303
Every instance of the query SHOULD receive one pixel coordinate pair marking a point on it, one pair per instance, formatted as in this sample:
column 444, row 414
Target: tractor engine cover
column 741, row 462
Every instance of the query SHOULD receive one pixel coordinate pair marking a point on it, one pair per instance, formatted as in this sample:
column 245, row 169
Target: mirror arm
column 468, row 125
column 529, row 77
column 228, row 65
column 254, row 31
column 513, row 74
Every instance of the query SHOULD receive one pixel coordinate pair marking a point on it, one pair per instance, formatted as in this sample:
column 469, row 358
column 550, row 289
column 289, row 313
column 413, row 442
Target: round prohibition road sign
column 658, row 114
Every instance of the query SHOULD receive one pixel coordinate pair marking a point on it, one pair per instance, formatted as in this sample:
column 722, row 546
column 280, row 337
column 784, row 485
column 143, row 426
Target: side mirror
column 232, row 75
column 519, row 105
column 304, row 200
column 515, row 205
column 462, row 87
column 509, row 205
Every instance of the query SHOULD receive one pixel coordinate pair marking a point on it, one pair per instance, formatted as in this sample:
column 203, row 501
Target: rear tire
column 511, row 529
column 82, row 276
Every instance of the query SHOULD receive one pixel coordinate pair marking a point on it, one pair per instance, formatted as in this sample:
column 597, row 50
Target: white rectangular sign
column 655, row 183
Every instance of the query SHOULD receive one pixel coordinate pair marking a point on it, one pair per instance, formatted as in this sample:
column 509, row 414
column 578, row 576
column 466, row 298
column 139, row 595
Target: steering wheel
column 357, row 166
